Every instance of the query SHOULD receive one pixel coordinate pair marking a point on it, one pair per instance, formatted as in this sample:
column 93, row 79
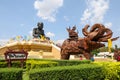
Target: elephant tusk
column 84, row 30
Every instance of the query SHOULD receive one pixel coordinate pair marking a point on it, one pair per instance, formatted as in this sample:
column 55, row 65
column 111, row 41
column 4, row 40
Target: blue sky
column 19, row 17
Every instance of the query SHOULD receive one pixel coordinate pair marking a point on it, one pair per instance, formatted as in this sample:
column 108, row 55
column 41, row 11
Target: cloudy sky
column 19, row 17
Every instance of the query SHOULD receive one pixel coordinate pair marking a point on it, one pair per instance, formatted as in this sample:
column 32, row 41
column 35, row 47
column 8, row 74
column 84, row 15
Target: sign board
column 15, row 56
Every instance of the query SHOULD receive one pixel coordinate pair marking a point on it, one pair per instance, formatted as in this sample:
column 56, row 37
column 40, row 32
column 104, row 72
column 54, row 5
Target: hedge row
column 11, row 74
column 15, row 64
column 2, row 60
column 40, row 63
column 62, row 70
column 64, row 62
column 71, row 62
column 111, row 70
column 3, row 64
column 33, row 64
column 78, row 72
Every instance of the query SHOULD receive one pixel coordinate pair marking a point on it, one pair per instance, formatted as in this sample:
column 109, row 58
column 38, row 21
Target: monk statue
column 38, row 32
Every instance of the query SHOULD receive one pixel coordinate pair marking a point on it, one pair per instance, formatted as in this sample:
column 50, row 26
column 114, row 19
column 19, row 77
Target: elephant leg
column 87, row 55
column 65, row 56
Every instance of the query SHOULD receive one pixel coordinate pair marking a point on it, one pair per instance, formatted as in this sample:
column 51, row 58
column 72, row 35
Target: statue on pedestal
column 38, row 32
column 93, row 39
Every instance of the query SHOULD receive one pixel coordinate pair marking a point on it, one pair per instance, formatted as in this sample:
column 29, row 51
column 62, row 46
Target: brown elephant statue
column 93, row 40
column 116, row 55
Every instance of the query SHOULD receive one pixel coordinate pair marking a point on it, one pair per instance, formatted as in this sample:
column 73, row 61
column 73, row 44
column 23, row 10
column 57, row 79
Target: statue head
column 72, row 32
column 40, row 25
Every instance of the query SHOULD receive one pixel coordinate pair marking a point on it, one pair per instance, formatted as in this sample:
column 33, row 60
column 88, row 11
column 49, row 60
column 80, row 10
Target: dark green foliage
column 116, row 47
column 16, row 64
column 72, row 62
column 80, row 72
column 2, row 60
column 3, row 64
column 10, row 74
column 95, row 52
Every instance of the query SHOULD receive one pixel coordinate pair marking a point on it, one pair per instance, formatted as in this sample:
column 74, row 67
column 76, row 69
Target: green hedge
column 72, row 62
column 40, row 63
column 2, row 60
column 15, row 64
column 3, row 64
column 78, row 72
column 11, row 74
column 61, row 70
column 32, row 64
column 111, row 70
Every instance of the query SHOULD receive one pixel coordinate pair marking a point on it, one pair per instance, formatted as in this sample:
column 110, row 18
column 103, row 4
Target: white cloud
column 3, row 42
column 108, row 25
column 86, row 16
column 59, row 42
column 49, row 34
column 47, row 9
column 30, row 33
column 95, row 11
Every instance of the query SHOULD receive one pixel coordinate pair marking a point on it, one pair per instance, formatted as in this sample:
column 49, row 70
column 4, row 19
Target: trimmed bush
column 11, row 74
column 3, row 64
column 111, row 70
column 16, row 64
column 40, row 63
column 71, row 62
column 79, row 72
column 32, row 64
column 2, row 60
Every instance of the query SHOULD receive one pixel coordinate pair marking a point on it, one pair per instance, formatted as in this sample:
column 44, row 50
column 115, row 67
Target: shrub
column 79, row 72
column 10, row 74
column 42, row 63
column 2, row 60
column 71, row 62
column 15, row 64
column 31, row 64
column 111, row 70
column 3, row 64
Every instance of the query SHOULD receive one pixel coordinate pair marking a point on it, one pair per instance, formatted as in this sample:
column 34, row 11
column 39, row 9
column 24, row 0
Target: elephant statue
column 116, row 55
column 93, row 40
